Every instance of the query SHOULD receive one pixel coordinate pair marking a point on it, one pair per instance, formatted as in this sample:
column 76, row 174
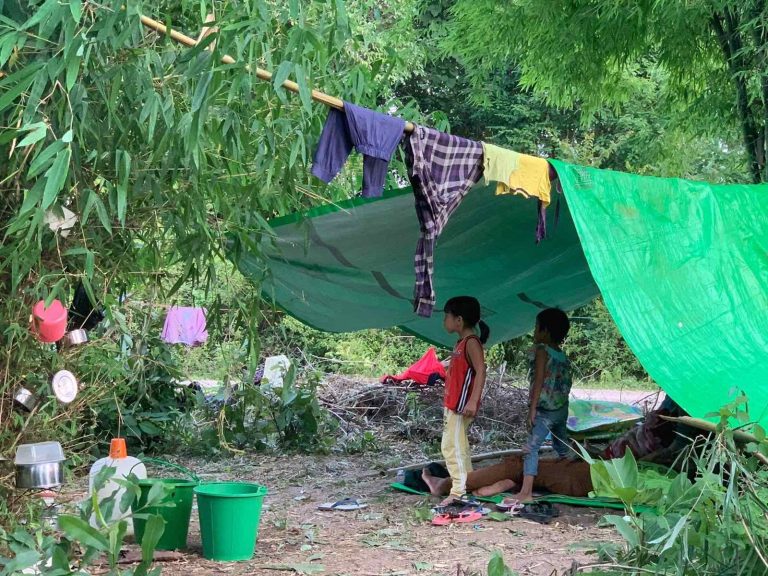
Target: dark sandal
column 541, row 512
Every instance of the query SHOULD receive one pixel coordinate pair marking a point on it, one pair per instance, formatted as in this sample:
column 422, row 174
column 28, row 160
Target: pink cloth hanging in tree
column 185, row 325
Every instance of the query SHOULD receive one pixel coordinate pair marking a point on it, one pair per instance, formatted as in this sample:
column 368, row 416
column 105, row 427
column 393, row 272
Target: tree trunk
column 726, row 29
column 760, row 37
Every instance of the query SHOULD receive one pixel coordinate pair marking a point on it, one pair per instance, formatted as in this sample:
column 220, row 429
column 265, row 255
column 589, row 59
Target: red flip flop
column 461, row 518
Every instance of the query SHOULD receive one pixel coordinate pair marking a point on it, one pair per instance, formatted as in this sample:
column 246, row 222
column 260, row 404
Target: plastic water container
column 124, row 465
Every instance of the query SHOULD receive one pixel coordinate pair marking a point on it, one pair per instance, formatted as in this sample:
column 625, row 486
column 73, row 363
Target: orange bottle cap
column 117, row 448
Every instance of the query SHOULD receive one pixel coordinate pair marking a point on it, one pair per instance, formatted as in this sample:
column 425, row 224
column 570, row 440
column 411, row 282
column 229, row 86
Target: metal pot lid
column 64, row 386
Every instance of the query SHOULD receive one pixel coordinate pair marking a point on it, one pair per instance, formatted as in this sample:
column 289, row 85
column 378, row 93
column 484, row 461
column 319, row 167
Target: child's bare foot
column 437, row 486
column 495, row 488
column 448, row 501
column 522, row 497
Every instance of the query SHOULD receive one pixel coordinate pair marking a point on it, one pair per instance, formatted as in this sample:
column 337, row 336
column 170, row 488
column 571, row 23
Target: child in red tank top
column 463, row 387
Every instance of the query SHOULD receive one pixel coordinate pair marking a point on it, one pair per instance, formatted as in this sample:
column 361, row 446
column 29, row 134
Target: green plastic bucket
column 176, row 516
column 229, row 519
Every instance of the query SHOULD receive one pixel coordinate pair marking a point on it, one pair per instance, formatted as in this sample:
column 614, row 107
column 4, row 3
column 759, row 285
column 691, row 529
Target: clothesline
column 260, row 73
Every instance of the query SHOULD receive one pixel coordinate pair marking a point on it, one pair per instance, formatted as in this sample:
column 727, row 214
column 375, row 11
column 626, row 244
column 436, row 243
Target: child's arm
column 538, row 383
column 477, row 359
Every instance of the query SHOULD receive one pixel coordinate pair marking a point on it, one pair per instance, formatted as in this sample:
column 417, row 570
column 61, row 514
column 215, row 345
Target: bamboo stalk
column 738, row 435
column 260, row 73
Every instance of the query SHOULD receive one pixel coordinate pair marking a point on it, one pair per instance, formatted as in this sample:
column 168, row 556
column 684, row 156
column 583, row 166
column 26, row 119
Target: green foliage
column 709, row 57
column 266, row 416
column 368, row 352
column 710, row 519
column 597, row 348
column 80, row 544
column 168, row 158
column 637, row 136
column 497, row 567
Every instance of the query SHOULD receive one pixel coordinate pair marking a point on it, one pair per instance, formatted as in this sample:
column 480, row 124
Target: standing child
column 550, row 386
column 463, row 387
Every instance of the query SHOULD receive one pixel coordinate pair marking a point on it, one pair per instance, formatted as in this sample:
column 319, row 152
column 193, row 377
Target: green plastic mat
column 683, row 269
column 403, row 488
column 592, row 502
column 553, row 498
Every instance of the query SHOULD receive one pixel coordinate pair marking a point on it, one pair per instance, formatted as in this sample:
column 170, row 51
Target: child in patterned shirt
column 550, row 386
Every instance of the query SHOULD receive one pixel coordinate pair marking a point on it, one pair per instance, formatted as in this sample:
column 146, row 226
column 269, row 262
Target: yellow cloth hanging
column 516, row 173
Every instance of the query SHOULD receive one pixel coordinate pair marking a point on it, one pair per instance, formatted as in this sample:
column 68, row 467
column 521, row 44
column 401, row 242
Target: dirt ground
column 390, row 537
column 393, row 535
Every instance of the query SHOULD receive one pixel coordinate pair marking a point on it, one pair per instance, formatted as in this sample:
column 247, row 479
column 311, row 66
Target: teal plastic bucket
column 229, row 519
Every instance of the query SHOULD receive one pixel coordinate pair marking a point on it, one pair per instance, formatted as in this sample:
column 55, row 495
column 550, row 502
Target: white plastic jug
column 118, row 458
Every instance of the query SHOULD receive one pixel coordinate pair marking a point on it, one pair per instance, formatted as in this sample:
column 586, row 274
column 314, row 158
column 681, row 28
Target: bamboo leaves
column 305, row 92
column 201, row 91
column 76, row 9
column 42, row 14
column 123, row 171
column 36, row 132
column 16, row 83
column 56, row 176
column 165, row 156
column 283, row 71
column 44, row 158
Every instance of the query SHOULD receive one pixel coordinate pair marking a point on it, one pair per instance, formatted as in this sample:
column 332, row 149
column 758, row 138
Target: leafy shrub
column 715, row 522
column 145, row 399
column 271, row 416
column 80, row 544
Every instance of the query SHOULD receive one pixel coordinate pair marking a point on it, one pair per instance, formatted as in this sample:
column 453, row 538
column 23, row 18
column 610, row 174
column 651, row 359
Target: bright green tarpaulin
column 683, row 269
column 350, row 267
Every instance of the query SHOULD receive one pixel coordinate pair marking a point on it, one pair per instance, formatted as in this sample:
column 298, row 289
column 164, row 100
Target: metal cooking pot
column 76, row 337
column 42, row 475
column 25, row 399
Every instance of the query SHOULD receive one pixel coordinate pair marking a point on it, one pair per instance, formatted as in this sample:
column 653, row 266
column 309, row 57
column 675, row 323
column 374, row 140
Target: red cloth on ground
column 421, row 370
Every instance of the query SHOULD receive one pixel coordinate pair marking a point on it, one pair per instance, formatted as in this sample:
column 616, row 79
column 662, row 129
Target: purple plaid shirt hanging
column 442, row 169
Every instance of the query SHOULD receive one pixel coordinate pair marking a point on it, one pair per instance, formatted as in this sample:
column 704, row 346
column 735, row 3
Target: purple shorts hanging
column 372, row 134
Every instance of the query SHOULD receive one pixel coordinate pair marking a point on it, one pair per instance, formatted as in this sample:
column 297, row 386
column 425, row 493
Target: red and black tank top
column 461, row 377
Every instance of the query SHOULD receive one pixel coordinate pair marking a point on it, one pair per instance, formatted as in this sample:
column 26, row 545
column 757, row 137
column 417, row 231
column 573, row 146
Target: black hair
column 555, row 322
column 469, row 309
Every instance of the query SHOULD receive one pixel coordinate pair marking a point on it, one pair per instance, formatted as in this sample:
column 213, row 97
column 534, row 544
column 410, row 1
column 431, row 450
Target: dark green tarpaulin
column 683, row 268
column 350, row 267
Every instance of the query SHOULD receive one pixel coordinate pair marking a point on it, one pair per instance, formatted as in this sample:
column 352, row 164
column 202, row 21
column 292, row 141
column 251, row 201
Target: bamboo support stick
column 260, row 73
column 738, row 435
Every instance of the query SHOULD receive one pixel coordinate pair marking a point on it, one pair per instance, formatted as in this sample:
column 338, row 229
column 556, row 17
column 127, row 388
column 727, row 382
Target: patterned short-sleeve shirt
column 557, row 378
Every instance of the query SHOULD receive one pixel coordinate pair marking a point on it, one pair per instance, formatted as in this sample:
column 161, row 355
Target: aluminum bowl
column 25, row 399
column 42, row 475
column 76, row 337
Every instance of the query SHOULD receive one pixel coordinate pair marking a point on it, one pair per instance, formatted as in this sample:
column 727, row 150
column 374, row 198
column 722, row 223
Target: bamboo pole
column 260, row 73
column 739, row 435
